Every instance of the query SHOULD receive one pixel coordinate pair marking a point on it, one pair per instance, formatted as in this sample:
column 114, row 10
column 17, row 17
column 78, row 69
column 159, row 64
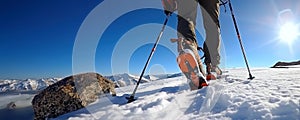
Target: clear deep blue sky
column 37, row 37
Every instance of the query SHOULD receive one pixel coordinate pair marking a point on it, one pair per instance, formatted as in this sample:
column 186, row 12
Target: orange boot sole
column 189, row 67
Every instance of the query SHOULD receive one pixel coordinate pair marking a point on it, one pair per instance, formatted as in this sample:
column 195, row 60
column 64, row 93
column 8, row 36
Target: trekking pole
column 131, row 98
column 240, row 40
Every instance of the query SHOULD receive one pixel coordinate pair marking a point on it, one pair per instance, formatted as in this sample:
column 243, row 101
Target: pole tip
column 130, row 99
column 251, row 77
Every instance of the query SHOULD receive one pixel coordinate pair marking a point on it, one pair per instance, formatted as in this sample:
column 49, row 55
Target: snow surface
column 273, row 94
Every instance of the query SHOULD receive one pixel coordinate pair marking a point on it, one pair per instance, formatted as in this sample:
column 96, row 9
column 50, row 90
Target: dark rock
column 285, row 64
column 11, row 106
column 70, row 94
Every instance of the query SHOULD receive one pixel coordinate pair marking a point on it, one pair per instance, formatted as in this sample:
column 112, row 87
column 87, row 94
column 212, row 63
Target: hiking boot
column 188, row 65
column 199, row 86
column 210, row 69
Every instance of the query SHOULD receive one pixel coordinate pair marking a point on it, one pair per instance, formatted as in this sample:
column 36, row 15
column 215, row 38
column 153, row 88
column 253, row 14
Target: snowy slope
column 273, row 94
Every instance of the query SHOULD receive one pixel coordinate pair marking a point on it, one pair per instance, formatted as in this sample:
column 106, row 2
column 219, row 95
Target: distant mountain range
column 285, row 64
column 121, row 80
column 24, row 85
column 125, row 79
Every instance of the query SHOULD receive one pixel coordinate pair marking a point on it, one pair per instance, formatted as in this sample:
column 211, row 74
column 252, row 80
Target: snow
column 273, row 94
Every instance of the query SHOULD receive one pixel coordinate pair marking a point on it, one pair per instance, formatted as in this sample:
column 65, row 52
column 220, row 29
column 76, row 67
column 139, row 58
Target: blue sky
column 37, row 37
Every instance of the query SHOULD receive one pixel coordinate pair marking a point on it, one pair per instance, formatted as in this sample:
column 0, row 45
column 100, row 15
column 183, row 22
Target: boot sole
column 189, row 66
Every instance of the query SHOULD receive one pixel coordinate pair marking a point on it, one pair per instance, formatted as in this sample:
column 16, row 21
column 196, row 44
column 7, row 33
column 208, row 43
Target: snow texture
column 273, row 94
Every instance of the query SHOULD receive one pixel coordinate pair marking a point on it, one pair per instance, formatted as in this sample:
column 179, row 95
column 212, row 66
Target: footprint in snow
column 246, row 82
column 274, row 100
